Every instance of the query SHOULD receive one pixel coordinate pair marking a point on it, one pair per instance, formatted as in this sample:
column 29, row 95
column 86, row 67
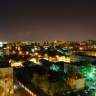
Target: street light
column 36, row 53
column 20, row 52
column 13, row 52
column 27, row 52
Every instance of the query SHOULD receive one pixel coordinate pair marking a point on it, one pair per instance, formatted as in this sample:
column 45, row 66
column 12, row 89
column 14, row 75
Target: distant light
column 15, row 87
column 20, row 52
column 32, row 50
column 55, row 41
column 27, row 52
column 81, row 48
column 36, row 53
column 1, row 44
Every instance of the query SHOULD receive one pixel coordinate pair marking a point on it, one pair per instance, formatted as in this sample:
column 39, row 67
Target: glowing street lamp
column 27, row 52
column 57, row 56
column 20, row 52
column 81, row 48
column 46, row 55
column 13, row 52
column 36, row 53
column 15, row 47
column 8, row 47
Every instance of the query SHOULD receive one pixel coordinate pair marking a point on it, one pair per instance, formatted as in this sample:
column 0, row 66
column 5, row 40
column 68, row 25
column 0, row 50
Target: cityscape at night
column 48, row 68
column 47, row 48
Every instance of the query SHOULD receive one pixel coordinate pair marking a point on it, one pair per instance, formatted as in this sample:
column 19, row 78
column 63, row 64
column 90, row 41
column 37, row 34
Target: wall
column 6, row 81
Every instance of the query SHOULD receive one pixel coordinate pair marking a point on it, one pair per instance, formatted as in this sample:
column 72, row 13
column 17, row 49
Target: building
column 16, row 63
column 76, row 81
column 6, row 81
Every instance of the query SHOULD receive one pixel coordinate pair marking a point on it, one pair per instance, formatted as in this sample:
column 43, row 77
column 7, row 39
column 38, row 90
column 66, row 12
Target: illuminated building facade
column 76, row 81
column 6, row 81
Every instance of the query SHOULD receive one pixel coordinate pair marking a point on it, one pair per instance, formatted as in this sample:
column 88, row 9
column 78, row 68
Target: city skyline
column 47, row 20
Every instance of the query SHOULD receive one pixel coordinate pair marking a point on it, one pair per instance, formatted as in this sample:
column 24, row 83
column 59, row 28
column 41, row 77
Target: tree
column 44, row 83
column 86, row 69
column 57, row 87
column 35, row 79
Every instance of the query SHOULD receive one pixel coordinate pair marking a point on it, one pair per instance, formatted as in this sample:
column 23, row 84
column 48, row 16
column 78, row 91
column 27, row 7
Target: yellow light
column 13, row 51
column 35, row 48
column 27, row 52
column 46, row 55
column 8, row 47
column 36, row 53
column 16, row 47
column 57, row 56
column 81, row 48
column 20, row 52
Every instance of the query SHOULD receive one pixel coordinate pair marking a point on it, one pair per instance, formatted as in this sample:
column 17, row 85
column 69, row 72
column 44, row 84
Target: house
column 76, row 81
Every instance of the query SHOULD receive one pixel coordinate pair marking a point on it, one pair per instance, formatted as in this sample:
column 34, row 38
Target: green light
column 90, row 74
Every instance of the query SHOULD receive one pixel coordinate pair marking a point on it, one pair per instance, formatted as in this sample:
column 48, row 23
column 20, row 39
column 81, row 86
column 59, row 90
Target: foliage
column 48, row 87
column 35, row 79
column 86, row 68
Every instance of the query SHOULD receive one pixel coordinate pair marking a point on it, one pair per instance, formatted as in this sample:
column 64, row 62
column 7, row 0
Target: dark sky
column 42, row 20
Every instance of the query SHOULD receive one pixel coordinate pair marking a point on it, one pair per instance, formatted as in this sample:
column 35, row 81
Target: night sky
column 47, row 20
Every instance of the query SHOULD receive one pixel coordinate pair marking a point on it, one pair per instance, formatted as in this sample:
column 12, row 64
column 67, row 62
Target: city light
column 27, row 52
column 20, row 52
column 90, row 74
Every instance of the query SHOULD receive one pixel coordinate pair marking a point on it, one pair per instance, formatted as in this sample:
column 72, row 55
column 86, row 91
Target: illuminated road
column 22, row 93
column 19, row 90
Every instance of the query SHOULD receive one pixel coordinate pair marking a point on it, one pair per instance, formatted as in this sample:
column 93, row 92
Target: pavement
column 22, row 93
